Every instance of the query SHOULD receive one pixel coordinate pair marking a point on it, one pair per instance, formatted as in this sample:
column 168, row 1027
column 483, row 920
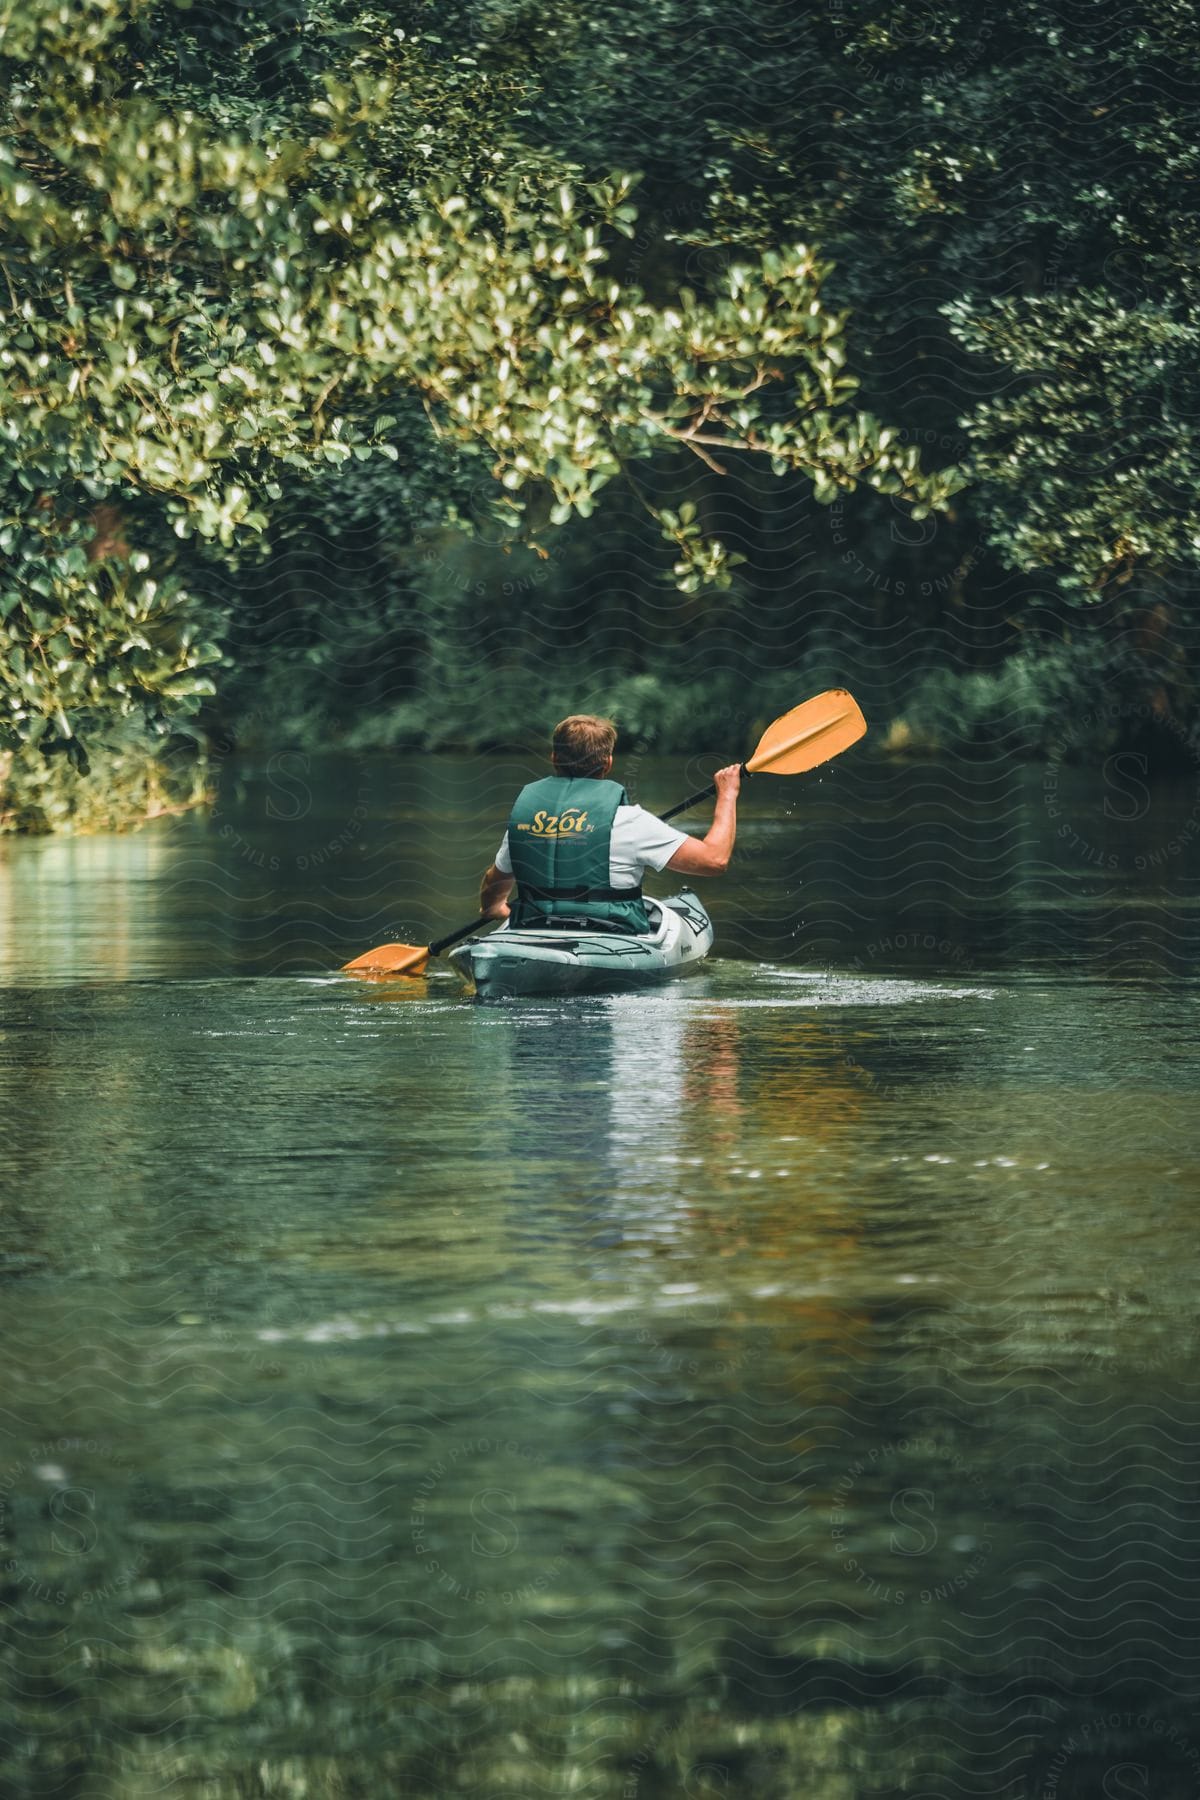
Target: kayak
column 571, row 958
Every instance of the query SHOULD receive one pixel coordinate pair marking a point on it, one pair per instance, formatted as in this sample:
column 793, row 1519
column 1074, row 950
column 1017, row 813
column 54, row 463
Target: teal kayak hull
column 565, row 959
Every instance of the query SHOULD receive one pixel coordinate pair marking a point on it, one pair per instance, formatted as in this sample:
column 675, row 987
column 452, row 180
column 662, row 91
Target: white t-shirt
column 639, row 842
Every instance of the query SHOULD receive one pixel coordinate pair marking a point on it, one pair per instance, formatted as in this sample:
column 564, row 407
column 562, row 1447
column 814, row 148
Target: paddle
column 406, row 959
column 802, row 739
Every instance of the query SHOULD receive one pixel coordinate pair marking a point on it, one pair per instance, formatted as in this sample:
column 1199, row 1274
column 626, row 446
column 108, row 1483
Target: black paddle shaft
column 456, row 937
column 696, row 798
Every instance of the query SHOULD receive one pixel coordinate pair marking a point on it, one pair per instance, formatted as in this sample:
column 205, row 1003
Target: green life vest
column 558, row 838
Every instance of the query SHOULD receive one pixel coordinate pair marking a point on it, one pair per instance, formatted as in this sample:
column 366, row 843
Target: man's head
column 583, row 745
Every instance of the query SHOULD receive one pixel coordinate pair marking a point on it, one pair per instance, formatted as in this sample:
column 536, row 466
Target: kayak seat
column 610, row 927
column 561, row 922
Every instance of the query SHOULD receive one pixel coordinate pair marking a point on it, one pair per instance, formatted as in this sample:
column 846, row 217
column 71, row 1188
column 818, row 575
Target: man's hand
column 728, row 781
column 498, row 911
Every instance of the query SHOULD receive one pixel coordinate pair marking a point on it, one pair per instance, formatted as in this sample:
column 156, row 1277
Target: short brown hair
column 583, row 744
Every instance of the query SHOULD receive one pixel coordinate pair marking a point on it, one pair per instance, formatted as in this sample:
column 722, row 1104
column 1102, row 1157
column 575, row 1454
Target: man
column 575, row 848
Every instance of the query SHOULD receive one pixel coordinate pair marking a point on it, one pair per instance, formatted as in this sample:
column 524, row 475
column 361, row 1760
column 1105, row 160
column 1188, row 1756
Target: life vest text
column 559, row 824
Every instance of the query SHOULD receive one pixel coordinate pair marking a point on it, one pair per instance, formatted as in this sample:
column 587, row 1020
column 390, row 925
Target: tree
column 1010, row 202
column 203, row 307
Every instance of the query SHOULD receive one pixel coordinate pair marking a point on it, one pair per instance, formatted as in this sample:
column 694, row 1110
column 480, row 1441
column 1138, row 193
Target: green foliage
column 206, row 303
column 1025, row 706
column 74, row 646
column 1034, row 178
column 100, row 665
column 1086, row 459
column 274, row 269
column 491, row 708
column 133, row 773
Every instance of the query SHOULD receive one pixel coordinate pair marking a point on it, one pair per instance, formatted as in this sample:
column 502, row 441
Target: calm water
column 785, row 1384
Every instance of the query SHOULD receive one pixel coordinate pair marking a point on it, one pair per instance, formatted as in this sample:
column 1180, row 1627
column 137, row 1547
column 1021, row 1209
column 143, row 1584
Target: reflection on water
column 779, row 1385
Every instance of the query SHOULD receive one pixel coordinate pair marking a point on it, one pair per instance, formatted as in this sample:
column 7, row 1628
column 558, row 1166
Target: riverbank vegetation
column 414, row 375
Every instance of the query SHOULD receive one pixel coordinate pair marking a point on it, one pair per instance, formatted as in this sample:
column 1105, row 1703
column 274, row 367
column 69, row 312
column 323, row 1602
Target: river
column 780, row 1384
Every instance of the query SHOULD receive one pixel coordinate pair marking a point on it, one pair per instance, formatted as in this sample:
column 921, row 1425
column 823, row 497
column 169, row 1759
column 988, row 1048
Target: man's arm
column 710, row 855
column 494, row 893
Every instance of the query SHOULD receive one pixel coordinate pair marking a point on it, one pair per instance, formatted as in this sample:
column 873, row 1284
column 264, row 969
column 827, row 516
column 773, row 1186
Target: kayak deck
column 569, row 959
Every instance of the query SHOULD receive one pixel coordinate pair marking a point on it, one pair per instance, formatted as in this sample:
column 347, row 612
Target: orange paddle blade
column 808, row 735
column 390, row 959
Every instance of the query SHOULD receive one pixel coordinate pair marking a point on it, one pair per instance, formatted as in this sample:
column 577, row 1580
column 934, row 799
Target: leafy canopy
column 199, row 307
